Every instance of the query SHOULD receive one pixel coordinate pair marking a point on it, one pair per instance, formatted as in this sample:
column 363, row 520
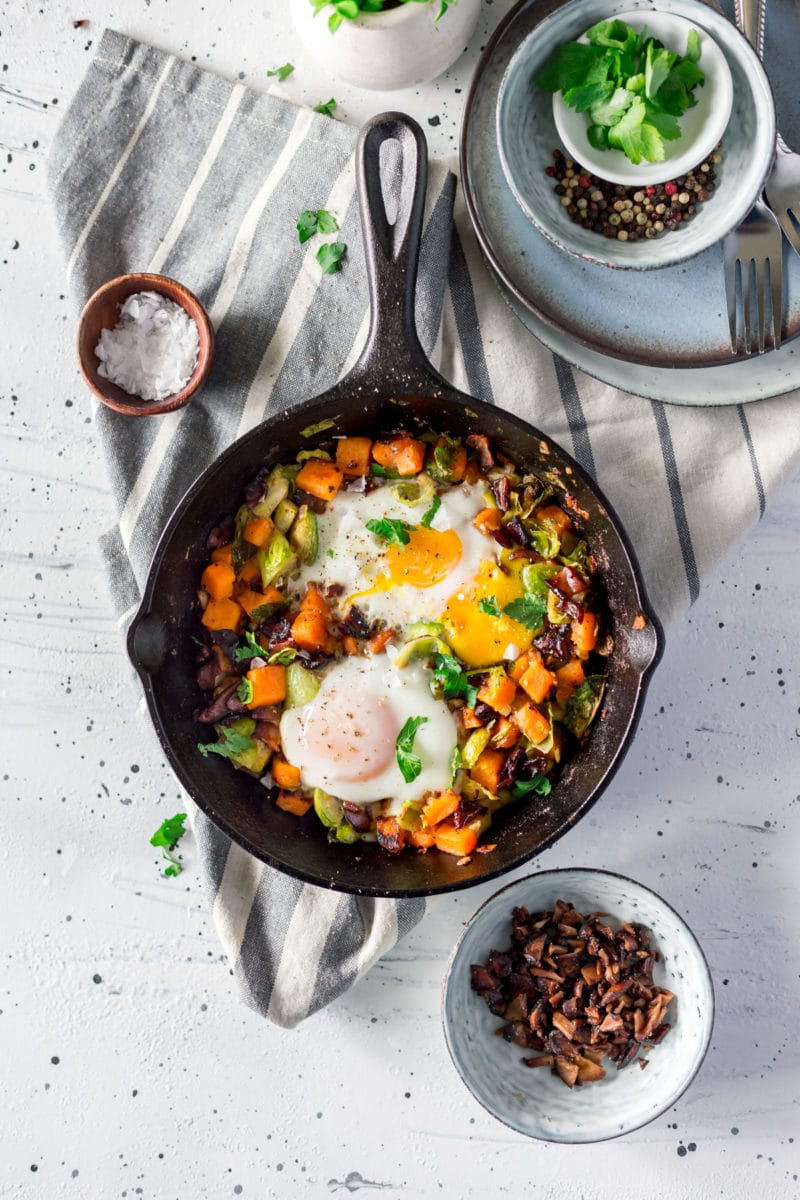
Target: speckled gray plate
column 659, row 334
column 532, row 1100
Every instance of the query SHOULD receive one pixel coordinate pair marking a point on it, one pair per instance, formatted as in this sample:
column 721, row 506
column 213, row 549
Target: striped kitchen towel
column 161, row 166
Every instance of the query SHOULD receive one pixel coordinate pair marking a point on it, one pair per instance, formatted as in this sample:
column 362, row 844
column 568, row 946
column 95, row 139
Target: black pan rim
column 319, row 407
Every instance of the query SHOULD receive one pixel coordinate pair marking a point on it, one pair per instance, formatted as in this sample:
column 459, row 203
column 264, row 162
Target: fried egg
column 344, row 740
column 440, row 574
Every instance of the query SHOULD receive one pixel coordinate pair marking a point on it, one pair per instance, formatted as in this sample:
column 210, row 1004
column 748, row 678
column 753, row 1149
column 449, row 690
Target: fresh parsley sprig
column 167, row 836
column 529, row 611
column 231, row 743
column 315, row 220
column 393, row 531
column 540, row 785
column 452, row 680
column 252, row 649
column 488, row 605
column 408, row 761
column 632, row 87
column 330, row 255
column 325, row 107
column 281, row 73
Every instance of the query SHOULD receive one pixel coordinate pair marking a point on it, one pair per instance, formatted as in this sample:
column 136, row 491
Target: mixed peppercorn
column 631, row 213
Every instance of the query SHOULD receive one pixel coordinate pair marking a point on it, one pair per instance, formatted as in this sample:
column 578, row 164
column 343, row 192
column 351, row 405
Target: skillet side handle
column 392, row 250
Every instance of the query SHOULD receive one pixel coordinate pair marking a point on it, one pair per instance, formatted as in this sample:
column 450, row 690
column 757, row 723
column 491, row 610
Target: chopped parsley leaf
column 392, row 530
column 230, row 743
column 251, row 650
column 410, row 764
column 245, row 691
column 167, row 836
column 538, row 786
column 329, row 257
column 281, row 73
column 530, row 611
column 429, row 514
column 452, row 678
column 488, row 605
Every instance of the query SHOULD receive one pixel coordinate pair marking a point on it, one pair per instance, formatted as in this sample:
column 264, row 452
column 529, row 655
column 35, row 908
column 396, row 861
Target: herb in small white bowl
column 640, row 98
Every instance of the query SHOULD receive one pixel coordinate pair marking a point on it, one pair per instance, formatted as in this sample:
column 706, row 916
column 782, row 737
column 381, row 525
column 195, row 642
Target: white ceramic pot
column 388, row 50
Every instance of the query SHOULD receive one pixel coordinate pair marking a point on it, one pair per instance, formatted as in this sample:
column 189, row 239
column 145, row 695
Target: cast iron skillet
column 391, row 385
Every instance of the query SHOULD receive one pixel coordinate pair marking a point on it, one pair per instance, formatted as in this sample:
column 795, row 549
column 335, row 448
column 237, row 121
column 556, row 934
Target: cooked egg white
column 440, row 574
column 344, row 740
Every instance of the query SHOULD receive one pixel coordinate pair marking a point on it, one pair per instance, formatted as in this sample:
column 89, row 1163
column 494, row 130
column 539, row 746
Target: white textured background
column 127, row 1066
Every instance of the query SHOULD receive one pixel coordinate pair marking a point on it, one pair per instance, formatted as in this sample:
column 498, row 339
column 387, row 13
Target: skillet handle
column 392, row 348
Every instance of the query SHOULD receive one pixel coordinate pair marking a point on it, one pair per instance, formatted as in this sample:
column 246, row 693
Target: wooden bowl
column 101, row 311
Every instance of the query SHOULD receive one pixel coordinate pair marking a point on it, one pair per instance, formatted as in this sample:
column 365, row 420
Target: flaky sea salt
column 152, row 350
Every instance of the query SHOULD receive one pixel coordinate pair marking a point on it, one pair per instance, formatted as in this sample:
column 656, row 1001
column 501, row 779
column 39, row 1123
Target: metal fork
column 783, row 192
column 783, row 186
column 756, row 247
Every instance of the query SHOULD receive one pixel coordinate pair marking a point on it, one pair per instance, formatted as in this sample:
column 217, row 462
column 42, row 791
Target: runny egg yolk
column 425, row 560
column 481, row 639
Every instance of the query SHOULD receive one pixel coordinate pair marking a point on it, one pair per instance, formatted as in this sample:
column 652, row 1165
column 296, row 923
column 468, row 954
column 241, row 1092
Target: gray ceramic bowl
column 532, row 1100
column 527, row 136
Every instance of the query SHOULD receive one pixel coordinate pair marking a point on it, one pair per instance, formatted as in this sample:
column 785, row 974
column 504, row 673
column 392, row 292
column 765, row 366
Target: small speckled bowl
column 101, row 311
column 526, row 134
column 532, row 1100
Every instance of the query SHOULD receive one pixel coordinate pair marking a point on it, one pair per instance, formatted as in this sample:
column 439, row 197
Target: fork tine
column 760, row 265
column 730, row 295
column 789, row 228
column 745, row 271
column 776, row 288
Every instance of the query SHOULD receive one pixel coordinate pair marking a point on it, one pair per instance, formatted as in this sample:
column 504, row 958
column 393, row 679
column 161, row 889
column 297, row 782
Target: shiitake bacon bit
column 575, row 991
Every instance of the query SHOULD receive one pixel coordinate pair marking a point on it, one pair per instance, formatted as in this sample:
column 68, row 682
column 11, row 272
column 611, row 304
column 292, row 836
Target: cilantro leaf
column 330, row 257
column 610, row 110
column 452, row 680
column 282, row 73
column 167, row 836
column 306, row 225
column 658, row 64
column 430, row 513
column 693, row 46
column 597, row 136
column 488, row 605
column 231, row 743
column 540, row 785
column 325, row 107
column 567, row 67
column 410, row 764
column 252, row 650
column 326, row 222
column 392, row 530
column 626, row 134
column 530, row 611
column 245, row 691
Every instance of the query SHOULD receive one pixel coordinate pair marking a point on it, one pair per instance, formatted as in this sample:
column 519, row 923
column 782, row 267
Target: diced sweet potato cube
column 292, row 803
column 257, row 531
column 498, row 691
column 557, row 516
column 488, row 769
column 352, row 456
column 459, row 842
column 222, row 614
column 440, row 805
column 567, row 679
column 319, row 478
column 404, row 455
column 269, row 685
column 285, row 774
column 584, row 635
column 537, row 681
column 218, row 580
column 532, row 723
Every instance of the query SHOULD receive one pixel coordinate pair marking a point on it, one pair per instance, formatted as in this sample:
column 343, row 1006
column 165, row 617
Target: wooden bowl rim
column 172, row 289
